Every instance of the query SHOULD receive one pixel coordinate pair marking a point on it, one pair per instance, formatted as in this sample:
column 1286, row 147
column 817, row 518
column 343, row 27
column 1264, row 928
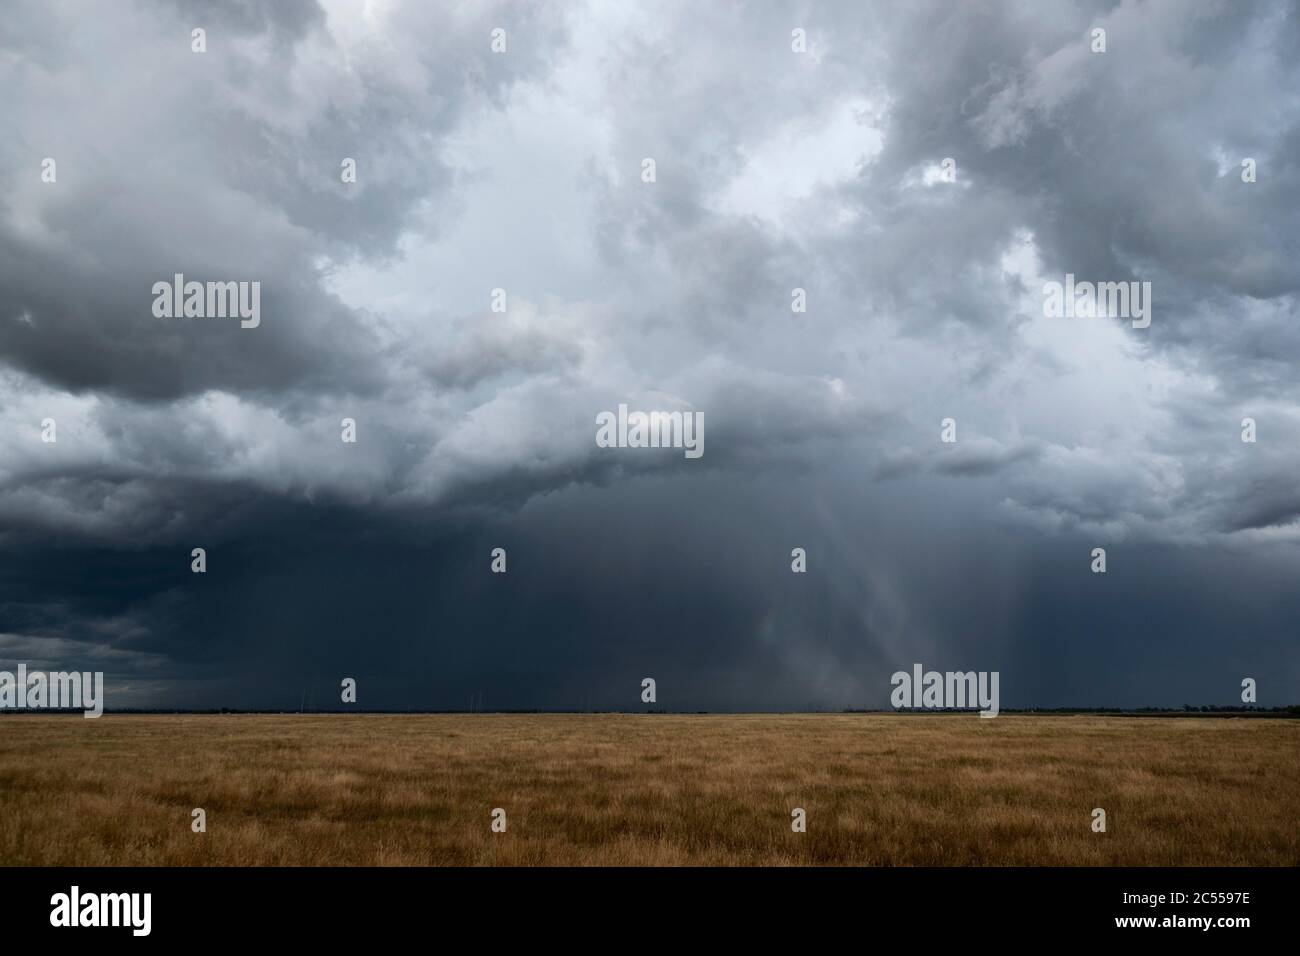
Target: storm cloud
column 777, row 169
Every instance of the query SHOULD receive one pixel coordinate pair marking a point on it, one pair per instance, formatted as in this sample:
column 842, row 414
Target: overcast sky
column 774, row 170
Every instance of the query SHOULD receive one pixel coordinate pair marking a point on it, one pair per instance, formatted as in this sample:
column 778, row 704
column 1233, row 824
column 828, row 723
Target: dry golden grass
column 627, row 789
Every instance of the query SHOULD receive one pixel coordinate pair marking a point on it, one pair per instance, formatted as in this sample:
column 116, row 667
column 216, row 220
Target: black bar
column 980, row 906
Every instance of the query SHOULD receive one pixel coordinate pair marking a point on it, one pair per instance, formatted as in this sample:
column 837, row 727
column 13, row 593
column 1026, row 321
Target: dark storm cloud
column 776, row 171
column 1109, row 158
column 220, row 166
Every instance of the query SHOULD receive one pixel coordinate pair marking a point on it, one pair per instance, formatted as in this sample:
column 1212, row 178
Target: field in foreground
column 643, row 789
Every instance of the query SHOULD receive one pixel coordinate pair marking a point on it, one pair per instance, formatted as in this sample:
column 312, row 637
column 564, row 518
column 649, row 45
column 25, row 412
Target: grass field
column 628, row 789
